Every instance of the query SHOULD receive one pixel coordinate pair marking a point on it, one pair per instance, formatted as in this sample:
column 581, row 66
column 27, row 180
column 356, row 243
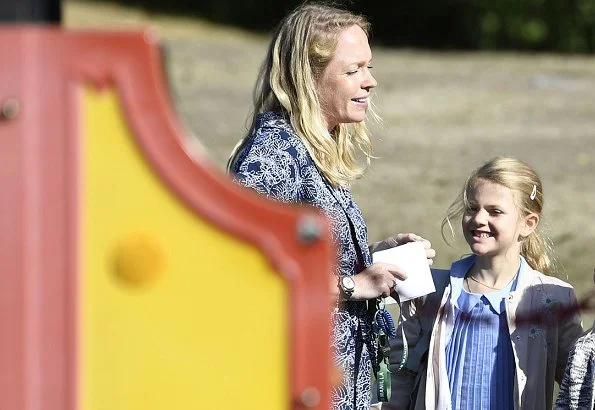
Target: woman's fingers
column 403, row 238
column 378, row 280
column 430, row 252
column 396, row 272
column 395, row 240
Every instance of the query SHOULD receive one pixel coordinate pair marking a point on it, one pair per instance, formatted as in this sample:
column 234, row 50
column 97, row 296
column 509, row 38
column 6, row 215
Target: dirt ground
column 443, row 115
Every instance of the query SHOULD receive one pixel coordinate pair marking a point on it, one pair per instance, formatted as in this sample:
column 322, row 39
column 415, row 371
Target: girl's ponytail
column 538, row 252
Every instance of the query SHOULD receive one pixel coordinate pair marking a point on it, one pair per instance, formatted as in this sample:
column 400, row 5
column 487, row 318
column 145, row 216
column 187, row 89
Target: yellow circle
column 139, row 259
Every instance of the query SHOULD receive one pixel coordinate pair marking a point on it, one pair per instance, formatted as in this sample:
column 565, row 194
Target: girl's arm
column 403, row 381
column 570, row 329
column 418, row 317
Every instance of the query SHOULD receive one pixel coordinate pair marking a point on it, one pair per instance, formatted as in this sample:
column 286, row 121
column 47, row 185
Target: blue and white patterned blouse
column 276, row 163
column 479, row 358
column 577, row 390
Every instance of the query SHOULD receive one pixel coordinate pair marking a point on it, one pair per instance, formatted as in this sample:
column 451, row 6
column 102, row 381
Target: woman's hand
column 401, row 239
column 376, row 280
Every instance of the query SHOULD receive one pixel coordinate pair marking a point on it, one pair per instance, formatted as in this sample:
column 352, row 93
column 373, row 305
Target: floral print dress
column 275, row 162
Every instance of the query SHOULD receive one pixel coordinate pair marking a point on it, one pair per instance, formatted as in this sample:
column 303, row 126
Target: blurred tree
column 532, row 25
column 41, row 11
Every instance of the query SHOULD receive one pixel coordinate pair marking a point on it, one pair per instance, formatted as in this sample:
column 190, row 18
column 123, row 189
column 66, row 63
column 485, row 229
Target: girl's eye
column 370, row 67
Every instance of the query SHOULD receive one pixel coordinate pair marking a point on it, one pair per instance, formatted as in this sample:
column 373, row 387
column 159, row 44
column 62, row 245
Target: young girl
column 497, row 332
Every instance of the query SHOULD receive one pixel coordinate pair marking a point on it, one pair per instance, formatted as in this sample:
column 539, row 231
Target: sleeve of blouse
column 573, row 379
column 271, row 166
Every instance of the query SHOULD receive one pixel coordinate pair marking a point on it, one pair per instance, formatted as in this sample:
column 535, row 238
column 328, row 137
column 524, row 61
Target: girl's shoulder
column 547, row 279
column 531, row 277
column 547, row 292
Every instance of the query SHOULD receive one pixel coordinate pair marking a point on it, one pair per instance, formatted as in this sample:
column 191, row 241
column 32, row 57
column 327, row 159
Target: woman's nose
column 370, row 81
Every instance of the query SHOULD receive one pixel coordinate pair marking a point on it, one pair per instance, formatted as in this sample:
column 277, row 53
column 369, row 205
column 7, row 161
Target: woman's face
column 345, row 84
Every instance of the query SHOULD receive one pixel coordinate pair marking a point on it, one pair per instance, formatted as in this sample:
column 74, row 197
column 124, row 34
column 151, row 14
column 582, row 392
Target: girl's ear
column 531, row 222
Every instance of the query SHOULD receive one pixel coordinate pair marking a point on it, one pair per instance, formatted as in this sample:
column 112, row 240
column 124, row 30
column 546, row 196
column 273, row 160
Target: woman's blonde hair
column 525, row 183
column 301, row 48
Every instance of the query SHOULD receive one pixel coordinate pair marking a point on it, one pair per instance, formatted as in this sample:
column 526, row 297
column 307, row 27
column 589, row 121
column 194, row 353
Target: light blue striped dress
column 479, row 357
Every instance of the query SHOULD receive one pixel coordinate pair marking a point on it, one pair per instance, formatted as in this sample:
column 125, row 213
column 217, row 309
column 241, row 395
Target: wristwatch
column 347, row 285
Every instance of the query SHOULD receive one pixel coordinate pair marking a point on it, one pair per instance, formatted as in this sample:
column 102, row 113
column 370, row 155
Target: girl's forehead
column 487, row 190
column 485, row 185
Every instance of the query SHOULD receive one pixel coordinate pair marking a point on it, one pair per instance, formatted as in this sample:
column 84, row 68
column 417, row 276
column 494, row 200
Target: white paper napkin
column 411, row 257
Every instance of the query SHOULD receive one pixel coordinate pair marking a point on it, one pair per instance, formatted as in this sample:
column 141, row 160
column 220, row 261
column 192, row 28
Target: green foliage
column 554, row 25
column 531, row 25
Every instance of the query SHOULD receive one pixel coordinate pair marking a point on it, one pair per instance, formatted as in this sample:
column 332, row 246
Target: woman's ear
column 531, row 222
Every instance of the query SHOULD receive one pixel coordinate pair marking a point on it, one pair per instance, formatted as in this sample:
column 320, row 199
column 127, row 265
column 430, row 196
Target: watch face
column 348, row 282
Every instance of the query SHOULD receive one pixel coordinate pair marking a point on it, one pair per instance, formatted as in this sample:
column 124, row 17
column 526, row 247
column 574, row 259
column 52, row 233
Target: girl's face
column 344, row 86
column 492, row 225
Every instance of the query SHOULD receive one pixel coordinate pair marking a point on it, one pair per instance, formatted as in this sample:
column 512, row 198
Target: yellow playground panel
column 207, row 323
column 171, row 287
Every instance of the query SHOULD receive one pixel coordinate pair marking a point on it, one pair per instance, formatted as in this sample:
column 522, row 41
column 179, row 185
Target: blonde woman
column 311, row 98
column 497, row 333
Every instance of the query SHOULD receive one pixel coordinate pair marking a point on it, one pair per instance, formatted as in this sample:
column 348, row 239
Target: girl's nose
column 479, row 218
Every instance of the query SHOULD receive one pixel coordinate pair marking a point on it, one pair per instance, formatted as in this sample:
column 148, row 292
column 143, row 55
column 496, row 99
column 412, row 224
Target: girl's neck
column 495, row 272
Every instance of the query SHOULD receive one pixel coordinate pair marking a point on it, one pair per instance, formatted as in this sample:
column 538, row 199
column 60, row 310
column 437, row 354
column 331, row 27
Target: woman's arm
column 377, row 280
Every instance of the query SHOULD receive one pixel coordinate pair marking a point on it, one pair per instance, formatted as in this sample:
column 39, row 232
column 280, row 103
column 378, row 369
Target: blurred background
column 460, row 81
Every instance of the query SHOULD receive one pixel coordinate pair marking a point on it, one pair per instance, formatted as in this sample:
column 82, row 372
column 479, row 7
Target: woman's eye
column 352, row 72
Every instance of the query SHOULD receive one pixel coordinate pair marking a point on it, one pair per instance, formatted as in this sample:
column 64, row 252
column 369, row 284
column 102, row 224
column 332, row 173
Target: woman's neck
column 494, row 272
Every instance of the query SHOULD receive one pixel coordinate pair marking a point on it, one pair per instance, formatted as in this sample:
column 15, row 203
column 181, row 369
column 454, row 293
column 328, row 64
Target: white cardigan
column 543, row 322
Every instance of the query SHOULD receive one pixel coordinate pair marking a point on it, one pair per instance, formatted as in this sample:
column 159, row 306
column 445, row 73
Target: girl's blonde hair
column 525, row 183
column 301, row 48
